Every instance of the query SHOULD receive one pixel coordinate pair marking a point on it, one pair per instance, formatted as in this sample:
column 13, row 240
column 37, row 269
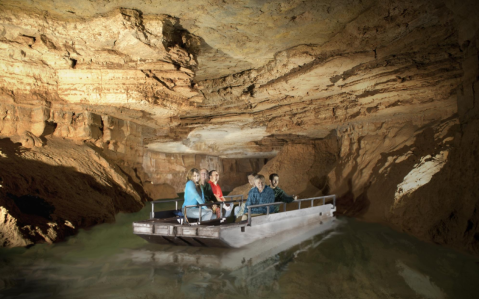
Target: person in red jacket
column 214, row 178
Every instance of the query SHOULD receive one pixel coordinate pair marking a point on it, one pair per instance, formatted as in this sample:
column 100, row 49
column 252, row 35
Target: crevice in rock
column 73, row 63
column 33, row 205
column 151, row 75
column 50, row 45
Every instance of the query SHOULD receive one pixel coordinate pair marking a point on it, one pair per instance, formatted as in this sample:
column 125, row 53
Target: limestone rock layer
column 374, row 101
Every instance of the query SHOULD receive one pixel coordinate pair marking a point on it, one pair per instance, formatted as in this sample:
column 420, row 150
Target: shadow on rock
column 42, row 202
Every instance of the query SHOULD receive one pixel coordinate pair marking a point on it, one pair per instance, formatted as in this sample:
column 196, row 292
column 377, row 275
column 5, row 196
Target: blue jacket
column 256, row 198
column 192, row 197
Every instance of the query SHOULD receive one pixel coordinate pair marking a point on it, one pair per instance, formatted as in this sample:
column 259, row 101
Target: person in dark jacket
column 279, row 194
column 207, row 191
column 204, row 178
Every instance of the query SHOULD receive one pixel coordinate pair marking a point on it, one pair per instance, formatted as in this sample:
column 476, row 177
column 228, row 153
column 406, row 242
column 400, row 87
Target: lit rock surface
column 372, row 100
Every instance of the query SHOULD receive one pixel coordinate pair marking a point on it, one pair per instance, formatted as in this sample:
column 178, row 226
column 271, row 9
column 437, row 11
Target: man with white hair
column 260, row 194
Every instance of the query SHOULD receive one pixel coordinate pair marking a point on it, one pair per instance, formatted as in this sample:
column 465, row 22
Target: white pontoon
column 173, row 227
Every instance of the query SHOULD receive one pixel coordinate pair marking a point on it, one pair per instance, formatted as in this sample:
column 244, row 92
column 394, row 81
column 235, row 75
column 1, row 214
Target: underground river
column 344, row 259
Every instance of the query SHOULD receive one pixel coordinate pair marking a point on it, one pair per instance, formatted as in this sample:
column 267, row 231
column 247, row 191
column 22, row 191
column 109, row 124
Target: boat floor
column 214, row 233
column 174, row 222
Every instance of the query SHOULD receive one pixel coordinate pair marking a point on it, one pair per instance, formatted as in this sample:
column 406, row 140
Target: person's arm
column 220, row 193
column 269, row 197
column 284, row 197
column 243, row 209
column 249, row 201
column 191, row 191
column 209, row 196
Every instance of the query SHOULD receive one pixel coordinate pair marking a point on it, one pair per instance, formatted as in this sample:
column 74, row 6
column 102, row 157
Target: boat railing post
column 299, row 205
column 221, row 209
column 176, row 205
column 184, row 216
column 201, row 212
column 267, row 210
column 249, row 216
column 334, row 200
column 312, row 202
column 152, row 215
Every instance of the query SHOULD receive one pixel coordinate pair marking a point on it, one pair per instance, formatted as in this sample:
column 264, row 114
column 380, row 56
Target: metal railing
column 221, row 203
column 299, row 201
column 312, row 199
column 152, row 214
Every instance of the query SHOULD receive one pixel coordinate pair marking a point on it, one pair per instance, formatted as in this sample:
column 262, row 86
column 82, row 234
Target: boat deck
column 224, row 232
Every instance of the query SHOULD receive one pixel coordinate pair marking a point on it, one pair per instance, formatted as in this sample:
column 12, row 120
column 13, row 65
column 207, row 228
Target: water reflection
column 349, row 259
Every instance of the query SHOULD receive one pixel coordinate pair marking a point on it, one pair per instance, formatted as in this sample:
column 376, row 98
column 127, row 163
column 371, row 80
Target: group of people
column 202, row 187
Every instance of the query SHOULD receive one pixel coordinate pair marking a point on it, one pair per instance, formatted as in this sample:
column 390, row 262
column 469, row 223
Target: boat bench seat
column 168, row 214
column 245, row 217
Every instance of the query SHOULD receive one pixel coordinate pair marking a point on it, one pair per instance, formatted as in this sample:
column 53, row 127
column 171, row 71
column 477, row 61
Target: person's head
column 193, row 175
column 251, row 177
column 259, row 182
column 204, row 177
column 214, row 176
column 274, row 180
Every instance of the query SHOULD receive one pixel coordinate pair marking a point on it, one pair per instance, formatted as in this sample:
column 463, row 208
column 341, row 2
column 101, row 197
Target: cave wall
column 418, row 178
column 51, row 190
column 416, row 174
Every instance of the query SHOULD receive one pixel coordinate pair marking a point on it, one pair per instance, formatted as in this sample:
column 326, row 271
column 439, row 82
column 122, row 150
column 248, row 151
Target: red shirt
column 216, row 189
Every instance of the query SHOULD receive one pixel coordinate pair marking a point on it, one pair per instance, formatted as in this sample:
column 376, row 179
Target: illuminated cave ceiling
column 225, row 78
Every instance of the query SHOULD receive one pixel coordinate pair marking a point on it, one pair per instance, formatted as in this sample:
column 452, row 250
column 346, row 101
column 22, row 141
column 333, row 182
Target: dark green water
column 353, row 260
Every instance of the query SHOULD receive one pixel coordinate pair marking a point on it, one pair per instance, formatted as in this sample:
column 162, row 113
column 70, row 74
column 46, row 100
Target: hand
column 214, row 207
column 295, row 197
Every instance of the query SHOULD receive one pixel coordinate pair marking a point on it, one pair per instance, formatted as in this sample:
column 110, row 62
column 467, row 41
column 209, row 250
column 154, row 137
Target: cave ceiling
column 231, row 78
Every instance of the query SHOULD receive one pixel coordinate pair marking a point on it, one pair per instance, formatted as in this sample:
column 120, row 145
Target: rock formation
column 48, row 192
column 374, row 101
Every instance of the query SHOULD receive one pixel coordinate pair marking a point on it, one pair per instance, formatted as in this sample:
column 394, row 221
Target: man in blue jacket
column 260, row 194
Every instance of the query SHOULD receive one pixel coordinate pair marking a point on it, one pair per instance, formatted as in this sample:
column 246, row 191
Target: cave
column 106, row 105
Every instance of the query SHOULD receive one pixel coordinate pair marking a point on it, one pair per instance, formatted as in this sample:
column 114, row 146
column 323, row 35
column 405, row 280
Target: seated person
column 208, row 192
column 251, row 177
column 240, row 209
column 214, row 178
column 279, row 194
column 192, row 197
column 260, row 194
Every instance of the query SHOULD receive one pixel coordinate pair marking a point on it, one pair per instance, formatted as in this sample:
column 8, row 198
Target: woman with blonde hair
column 194, row 195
